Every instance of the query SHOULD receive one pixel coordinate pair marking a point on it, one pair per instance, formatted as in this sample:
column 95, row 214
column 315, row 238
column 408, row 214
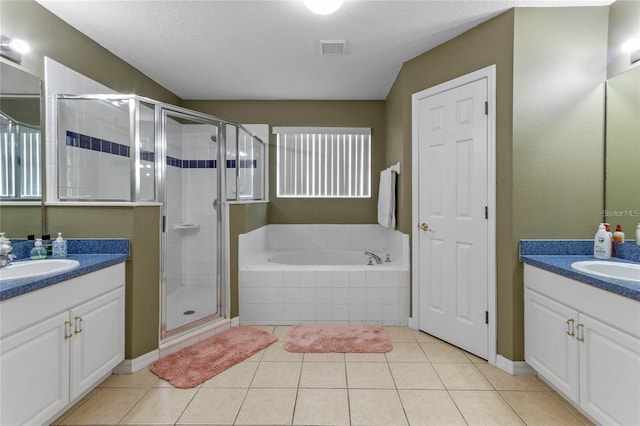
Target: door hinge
column 486, row 317
column 486, row 212
column 486, row 108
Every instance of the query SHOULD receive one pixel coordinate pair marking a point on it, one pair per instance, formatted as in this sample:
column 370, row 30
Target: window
column 323, row 162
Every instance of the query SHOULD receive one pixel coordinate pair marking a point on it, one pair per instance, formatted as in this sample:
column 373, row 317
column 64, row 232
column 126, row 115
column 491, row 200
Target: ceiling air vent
column 333, row 47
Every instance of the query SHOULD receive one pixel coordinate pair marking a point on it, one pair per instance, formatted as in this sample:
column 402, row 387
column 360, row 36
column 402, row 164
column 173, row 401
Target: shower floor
column 187, row 304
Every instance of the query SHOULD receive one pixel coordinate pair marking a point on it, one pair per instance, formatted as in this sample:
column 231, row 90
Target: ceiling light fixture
column 632, row 46
column 13, row 49
column 323, row 7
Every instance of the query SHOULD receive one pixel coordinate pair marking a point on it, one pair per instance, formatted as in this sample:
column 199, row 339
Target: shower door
column 191, row 276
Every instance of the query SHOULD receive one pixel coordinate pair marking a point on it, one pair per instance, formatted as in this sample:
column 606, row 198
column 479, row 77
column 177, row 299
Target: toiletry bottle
column 608, row 229
column 602, row 243
column 46, row 243
column 618, row 236
column 38, row 251
column 638, row 235
column 59, row 247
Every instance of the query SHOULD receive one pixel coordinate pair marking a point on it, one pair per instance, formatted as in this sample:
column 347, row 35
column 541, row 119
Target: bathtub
column 281, row 284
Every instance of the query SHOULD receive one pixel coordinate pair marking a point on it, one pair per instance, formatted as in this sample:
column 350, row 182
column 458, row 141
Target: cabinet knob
column 425, row 227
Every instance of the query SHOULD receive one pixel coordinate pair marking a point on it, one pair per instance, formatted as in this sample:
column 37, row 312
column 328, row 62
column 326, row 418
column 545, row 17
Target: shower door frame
column 161, row 148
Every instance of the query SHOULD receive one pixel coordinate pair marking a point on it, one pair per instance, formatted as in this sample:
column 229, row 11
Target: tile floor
column 423, row 381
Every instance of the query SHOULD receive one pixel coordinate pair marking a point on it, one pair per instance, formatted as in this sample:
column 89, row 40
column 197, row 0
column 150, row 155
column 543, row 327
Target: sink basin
column 36, row 268
column 620, row 271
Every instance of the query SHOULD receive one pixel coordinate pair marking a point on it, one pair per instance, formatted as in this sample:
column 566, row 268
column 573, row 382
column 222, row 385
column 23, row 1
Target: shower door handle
column 215, row 204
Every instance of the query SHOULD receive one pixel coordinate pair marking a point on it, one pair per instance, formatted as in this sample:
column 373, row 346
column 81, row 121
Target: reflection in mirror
column 622, row 167
column 20, row 153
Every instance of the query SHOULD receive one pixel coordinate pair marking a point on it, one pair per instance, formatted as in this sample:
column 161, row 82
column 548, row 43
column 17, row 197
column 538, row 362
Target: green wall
column 52, row 37
column 549, row 135
column 313, row 114
column 549, row 111
column 141, row 226
column 489, row 43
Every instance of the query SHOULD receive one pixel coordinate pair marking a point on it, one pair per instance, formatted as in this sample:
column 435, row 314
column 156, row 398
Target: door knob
column 425, row 227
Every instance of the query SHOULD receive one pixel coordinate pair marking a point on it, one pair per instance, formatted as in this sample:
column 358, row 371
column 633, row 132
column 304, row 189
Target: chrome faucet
column 5, row 256
column 374, row 256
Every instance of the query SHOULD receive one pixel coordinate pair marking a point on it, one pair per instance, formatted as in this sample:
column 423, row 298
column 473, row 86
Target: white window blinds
column 323, row 162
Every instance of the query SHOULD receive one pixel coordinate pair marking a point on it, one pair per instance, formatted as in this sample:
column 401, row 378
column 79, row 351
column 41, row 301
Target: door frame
column 490, row 74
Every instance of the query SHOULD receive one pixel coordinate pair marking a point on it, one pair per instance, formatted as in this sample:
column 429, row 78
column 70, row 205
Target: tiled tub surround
column 92, row 255
column 557, row 256
column 278, row 294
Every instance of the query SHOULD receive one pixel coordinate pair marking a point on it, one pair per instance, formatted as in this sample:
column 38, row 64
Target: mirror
column 622, row 164
column 20, row 153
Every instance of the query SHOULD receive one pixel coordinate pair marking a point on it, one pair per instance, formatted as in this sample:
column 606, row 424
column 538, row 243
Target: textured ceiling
column 270, row 49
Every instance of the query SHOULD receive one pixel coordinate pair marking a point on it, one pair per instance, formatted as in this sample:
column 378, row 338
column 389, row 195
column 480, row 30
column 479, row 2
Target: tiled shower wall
column 61, row 79
column 191, row 190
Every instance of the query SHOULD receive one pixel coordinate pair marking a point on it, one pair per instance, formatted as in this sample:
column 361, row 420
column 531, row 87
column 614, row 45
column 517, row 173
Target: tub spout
column 374, row 256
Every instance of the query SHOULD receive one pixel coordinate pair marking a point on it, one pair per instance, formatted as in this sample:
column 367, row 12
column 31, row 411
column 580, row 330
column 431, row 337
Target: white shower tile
column 374, row 313
column 324, row 295
column 290, row 295
column 324, row 312
column 324, row 278
column 340, row 294
column 340, row 312
column 374, row 279
column 308, row 295
column 340, row 278
column 307, row 312
column 357, row 295
column 290, row 279
column 274, row 279
column 307, row 278
column 357, row 279
column 374, row 295
column 357, row 312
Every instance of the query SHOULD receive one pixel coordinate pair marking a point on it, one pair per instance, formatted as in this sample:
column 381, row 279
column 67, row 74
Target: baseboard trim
column 129, row 366
column 235, row 321
column 411, row 324
column 515, row 368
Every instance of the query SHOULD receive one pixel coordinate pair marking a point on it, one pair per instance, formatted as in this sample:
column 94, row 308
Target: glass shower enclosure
column 130, row 149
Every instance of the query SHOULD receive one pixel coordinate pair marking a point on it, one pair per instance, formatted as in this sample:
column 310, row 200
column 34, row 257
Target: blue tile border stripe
column 78, row 140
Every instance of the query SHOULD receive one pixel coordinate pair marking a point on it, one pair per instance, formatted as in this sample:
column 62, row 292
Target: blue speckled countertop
column 93, row 255
column 557, row 257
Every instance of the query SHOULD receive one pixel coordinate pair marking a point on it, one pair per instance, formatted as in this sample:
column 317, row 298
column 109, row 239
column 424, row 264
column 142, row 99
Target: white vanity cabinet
column 57, row 343
column 585, row 342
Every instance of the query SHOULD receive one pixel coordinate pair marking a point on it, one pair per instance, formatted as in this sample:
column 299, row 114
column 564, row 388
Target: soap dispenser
column 38, row 251
column 59, row 247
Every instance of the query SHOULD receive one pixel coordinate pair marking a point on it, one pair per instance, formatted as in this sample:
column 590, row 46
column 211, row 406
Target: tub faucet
column 375, row 256
column 5, row 256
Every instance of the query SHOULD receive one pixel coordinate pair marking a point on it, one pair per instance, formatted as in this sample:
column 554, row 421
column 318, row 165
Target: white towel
column 387, row 199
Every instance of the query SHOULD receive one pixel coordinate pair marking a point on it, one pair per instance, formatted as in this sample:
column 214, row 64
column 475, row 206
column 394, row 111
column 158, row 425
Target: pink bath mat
column 337, row 338
column 198, row 363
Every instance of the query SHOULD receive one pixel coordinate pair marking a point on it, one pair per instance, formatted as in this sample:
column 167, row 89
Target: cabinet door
column 609, row 373
column 98, row 343
column 34, row 371
column 548, row 347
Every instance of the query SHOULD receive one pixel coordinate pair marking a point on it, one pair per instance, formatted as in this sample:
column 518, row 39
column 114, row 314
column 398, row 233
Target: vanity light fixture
column 13, row 49
column 323, row 7
column 632, row 46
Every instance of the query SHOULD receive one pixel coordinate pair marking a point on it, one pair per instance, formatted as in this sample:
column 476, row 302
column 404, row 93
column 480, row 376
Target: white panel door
column 453, row 243
column 610, row 373
column 97, row 345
